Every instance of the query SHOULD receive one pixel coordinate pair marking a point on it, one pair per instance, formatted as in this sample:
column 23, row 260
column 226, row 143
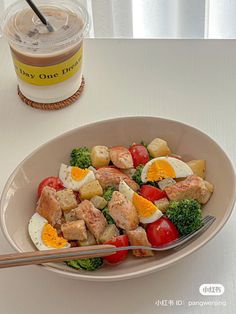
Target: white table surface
column 191, row 81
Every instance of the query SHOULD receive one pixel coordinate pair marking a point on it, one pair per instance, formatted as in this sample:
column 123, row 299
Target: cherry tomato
column 161, row 232
column 119, row 256
column 53, row 182
column 139, row 154
column 151, row 193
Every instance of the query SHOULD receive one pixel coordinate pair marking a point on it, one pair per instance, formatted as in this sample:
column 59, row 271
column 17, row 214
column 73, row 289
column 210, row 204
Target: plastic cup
column 48, row 64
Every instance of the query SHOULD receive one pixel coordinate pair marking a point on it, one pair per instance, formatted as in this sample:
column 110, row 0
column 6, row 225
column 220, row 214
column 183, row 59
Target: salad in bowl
column 142, row 194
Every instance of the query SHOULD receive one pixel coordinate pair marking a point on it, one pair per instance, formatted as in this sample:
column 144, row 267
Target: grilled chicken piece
column 129, row 172
column 123, row 212
column 121, row 157
column 74, row 230
column 191, row 188
column 48, row 206
column 109, row 176
column 139, row 237
column 93, row 217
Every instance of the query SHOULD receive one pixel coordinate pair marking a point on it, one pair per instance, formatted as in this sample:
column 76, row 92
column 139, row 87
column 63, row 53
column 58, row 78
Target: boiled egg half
column 165, row 167
column 43, row 235
column 146, row 210
column 74, row 177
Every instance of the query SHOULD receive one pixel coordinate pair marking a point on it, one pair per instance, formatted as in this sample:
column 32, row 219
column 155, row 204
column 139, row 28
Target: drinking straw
column 40, row 15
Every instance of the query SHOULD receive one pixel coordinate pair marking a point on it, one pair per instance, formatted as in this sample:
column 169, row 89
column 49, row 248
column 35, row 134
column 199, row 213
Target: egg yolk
column 78, row 174
column 144, row 207
column 160, row 169
column 51, row 239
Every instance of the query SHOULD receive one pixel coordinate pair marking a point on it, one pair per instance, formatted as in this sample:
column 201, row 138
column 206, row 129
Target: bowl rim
column 129, row 275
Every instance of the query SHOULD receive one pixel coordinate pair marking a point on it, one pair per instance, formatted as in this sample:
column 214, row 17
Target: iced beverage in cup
column 48, row 64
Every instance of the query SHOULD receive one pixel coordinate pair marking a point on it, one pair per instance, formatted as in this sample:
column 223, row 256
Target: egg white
column 181, row 169
column 155, row 216
column 69, row 182
column 126, row 190
column 35, row 228
column 129, row 193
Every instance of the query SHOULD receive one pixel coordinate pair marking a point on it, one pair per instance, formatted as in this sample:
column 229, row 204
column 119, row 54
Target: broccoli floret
column 86, row 263
column 107, row 216
column 108, row 193
column 186, row 215
column 152, row 183
column 80, row 157
column 137, row 175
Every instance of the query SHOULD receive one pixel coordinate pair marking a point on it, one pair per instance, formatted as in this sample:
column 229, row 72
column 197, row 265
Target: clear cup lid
column 24, row 30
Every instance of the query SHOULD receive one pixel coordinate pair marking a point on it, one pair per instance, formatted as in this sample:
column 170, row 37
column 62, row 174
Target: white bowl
column 19, row 195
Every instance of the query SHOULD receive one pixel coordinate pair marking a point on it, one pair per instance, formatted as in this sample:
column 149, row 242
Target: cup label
column 49, row 75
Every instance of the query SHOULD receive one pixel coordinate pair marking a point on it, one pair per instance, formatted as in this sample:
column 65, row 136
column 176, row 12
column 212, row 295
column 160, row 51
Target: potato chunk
column 66, row 199
column 74, row 230
column 89, row 190
column 158, row 148
column 99, row 201
column 89, row 241
column 198, row 167
column 70, row 215
column 110, row 232
column 100, row 156
column 162, row 204
column 165, row 183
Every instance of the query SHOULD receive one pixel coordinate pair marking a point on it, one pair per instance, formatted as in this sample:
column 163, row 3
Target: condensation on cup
column 48, row 64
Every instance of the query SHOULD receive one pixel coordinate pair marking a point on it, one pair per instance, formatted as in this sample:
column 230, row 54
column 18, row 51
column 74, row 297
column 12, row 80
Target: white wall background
column 160, row 18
